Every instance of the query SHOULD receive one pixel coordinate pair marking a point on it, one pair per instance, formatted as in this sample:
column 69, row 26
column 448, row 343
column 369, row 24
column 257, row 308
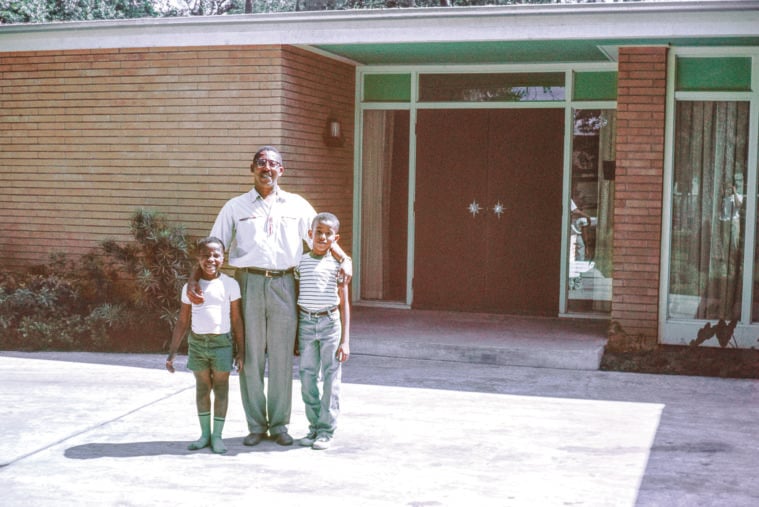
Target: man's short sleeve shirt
column 264, row 234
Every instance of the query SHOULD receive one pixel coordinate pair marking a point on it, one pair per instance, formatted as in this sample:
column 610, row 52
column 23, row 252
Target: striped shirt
column 318, row 282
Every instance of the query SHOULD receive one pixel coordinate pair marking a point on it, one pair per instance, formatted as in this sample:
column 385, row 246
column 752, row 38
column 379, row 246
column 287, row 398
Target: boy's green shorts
column 209, row 352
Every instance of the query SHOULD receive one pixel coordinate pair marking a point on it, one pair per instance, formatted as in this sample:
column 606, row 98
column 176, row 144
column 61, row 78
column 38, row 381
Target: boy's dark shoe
column 283, row 438
column 308, row 440
column 253, row 439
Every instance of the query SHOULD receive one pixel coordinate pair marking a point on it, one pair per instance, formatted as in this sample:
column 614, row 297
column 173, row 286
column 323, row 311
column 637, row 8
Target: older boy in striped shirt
column 323, row 331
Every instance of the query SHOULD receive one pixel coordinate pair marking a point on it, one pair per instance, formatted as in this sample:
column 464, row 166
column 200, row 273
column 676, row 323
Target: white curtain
column 375, row 203
column 708, row 209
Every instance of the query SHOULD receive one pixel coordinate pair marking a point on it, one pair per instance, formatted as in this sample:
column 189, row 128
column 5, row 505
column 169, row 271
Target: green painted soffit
column 504, row 52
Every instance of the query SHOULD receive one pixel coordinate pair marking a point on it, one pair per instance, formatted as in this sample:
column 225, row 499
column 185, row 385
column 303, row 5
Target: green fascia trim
column 713, row 74
column 387, row 88
column 595, row 86
column 509, row 52
column 501, row 52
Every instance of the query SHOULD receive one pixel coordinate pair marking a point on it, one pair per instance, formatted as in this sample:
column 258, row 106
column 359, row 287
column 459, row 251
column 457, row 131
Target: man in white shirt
column 265, row 230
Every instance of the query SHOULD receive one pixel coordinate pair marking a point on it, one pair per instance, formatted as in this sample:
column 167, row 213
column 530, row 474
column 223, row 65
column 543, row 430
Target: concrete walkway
column 574, row 344
column 112, row 430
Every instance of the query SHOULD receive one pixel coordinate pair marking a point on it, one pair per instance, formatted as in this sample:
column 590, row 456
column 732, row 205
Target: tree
column 312, row 5
column 46, row 11
column 198, row 7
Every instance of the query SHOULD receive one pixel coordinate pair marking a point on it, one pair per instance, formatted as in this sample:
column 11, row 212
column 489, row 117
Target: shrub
column 65, row 333
column 117, row 298
column 38, row 311
column 158, row 263
column 121, row 328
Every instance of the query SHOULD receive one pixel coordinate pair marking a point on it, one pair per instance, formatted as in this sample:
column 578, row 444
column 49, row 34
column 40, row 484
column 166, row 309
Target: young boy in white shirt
column 211, row 354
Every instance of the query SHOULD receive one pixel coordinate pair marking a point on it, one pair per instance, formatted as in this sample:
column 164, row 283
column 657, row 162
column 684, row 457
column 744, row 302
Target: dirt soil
column 681, row 360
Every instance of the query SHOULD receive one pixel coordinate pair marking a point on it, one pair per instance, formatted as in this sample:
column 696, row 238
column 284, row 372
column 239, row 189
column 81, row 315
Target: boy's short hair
column 327, row 218
column 207, row 240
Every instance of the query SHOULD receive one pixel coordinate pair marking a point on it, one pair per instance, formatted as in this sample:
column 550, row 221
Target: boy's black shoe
column 283, row 438
column 253, row 439
column 308, row 440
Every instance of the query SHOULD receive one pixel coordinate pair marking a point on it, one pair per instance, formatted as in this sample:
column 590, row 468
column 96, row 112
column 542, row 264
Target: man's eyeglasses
column 262, row 162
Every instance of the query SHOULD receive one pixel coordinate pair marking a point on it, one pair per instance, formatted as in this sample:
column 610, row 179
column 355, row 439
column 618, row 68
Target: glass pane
column 698, row 74
column 595, row 86
column 384, row 205
column 707, row 210
column 387, row 88
column 591, row 211
column 491, row 87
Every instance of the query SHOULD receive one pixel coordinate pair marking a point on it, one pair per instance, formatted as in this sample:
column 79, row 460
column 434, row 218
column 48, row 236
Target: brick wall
column 315, row 90
column 639, row 183
column 87, row 137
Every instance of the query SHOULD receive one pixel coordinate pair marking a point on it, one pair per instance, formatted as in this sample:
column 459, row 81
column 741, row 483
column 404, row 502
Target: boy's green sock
column 205, row 435
column 217, row 445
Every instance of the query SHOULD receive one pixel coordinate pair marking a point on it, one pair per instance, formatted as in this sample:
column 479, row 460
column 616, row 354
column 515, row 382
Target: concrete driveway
column 108, row 429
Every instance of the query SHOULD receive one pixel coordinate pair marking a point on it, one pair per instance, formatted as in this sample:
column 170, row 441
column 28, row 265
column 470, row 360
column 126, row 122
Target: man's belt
column 268, row 273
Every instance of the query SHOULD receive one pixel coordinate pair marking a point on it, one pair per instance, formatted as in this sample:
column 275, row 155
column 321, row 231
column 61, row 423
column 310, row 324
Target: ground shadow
column 97, row 450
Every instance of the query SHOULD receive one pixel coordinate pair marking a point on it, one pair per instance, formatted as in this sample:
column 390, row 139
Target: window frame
column 680, row 331
column 569, row 104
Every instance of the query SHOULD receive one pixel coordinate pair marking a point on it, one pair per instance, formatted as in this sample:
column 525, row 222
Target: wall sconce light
column 333, row 133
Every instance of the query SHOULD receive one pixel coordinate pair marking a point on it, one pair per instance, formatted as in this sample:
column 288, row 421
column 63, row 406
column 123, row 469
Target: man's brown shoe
column 283, row 438
column 253, row 439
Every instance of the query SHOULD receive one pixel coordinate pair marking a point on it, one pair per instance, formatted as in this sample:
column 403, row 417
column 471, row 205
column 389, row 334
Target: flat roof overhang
column 508, row 34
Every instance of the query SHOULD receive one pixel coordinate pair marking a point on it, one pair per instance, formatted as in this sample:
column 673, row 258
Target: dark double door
column 488, row 210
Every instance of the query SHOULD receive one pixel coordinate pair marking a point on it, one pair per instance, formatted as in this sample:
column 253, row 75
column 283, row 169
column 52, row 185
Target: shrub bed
column 118, row 298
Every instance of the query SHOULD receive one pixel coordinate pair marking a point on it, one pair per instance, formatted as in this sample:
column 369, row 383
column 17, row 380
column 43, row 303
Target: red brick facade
column 86, row 137
column 639, row 182
column 320, row 171
column 89, row 136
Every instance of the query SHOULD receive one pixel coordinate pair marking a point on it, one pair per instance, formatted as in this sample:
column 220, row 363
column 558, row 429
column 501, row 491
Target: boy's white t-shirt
column 212, row 316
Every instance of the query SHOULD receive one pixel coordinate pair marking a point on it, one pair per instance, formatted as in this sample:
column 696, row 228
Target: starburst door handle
column 499, row 209
column 474, row 208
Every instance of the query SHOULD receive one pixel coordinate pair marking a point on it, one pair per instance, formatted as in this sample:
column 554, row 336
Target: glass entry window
column 507, row 203
column 591, row 216
column 708, row 210
column 384, row 206
column 512, row 87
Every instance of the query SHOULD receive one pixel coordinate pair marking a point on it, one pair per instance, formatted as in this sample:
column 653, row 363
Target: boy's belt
column 320, row 313
column 206, row 336
column 268, row 273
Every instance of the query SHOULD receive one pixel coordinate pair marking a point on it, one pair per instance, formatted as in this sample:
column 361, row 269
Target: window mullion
column 751, row 214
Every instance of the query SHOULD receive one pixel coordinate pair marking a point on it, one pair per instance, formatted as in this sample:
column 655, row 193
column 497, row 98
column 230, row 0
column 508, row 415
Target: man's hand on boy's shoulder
column 346, row 271
column 194, row 292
